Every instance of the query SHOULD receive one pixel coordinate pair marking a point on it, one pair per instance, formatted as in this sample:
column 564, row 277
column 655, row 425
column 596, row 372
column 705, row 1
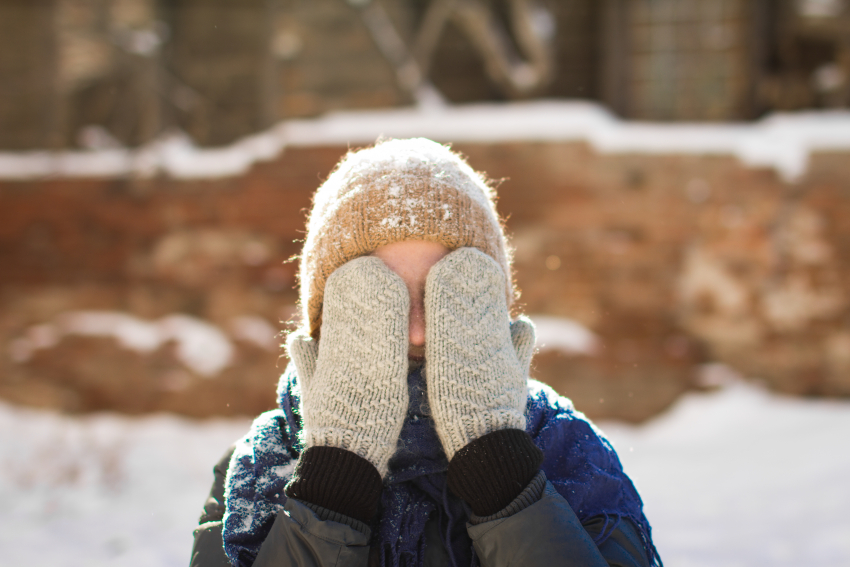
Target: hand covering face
column 476, row 360
column 354, row 379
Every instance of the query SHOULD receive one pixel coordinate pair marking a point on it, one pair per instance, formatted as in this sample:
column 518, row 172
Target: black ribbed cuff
column 337, row 480
column 490, row 472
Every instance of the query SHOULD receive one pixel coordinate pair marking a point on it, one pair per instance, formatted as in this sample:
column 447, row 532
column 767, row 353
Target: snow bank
column 255, row 330
column 737, row 477
column 104, row 490
column 565, row 335
column 744, row 477
column 783, row 141
column 201, row 346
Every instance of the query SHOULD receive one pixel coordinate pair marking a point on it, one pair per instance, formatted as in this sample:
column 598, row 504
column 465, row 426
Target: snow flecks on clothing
column 253, row 501
column 200, row 345
column 247, row 522
column 782, row 141
column 284, row 470
column 391, row 222
column 447, row 213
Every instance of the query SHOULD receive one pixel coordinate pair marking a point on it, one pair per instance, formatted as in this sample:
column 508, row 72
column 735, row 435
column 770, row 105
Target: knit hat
column 397, row 190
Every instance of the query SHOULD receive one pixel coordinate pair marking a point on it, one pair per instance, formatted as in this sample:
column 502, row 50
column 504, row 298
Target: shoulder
column 542, row 394
column 272, row 444
column 269, row 438
column 261, row 464
column 545, row 407
column 559, row 429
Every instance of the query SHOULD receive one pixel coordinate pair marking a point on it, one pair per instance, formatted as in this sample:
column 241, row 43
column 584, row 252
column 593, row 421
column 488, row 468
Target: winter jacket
column 542, row 533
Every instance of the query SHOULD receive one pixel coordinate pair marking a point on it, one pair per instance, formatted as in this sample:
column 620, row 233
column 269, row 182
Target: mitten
column 476, row 361
column 354, row 379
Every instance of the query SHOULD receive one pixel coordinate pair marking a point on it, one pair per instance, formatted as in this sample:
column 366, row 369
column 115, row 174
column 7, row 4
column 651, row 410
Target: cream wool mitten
column 476, row 360
column 354, row 381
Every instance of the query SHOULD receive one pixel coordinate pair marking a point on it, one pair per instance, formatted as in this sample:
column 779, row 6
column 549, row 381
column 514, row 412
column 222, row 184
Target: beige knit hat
column 397, row 190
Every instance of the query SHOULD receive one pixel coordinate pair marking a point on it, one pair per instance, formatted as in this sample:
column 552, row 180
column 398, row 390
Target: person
column 408, row 432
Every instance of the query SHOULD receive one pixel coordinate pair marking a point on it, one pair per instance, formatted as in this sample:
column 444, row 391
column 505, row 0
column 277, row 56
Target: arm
column 353, row 403
column 519, row 522
column 477, row 372
column 301, row 537
column 547, row 532
column 208, row 550
column 304, row 535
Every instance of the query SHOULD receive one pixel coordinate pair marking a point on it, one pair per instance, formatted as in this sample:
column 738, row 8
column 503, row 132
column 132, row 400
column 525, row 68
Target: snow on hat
column 396, row 190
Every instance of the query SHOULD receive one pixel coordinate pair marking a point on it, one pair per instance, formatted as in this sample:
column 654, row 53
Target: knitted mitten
column 476, row 361
column 354, row 382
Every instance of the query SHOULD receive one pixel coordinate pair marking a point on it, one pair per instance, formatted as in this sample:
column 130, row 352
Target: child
column 408, row 432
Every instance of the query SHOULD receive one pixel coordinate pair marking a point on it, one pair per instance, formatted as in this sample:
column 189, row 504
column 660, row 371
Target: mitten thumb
column 303, row 352
column 522, row 336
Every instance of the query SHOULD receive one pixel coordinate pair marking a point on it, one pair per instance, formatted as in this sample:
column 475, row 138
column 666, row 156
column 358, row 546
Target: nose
column 417, row 323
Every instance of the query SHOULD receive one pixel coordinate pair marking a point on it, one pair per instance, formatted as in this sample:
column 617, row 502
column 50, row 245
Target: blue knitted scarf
column 579, row 462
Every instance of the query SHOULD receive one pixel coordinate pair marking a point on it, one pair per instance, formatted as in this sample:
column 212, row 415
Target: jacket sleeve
column 300, row 537
column 208, row 550
column 549, row 533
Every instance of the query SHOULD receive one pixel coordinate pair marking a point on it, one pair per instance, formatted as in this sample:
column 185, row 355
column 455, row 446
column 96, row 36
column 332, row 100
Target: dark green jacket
column 545, row 534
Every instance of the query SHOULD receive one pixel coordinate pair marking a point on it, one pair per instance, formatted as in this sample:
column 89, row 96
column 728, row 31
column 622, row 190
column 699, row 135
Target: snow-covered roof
column 783, row 141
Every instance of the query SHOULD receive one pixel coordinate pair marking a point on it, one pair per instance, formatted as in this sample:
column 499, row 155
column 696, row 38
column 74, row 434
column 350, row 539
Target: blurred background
column 675, row 175
column 117, row 271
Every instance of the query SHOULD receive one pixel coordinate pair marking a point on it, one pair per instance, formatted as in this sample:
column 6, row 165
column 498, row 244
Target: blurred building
column 135, row 290
column 95, row 73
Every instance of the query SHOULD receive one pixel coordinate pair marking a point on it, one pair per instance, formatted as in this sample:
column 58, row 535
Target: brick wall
column 672, row 261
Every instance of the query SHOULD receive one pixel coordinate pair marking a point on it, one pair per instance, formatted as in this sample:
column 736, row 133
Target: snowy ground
column 104, row 490
column 734, row 477
column 743, row 477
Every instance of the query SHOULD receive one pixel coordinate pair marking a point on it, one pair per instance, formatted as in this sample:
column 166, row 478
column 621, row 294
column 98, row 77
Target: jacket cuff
column 330, row 516
column 490, row 472
column 532, row 493
column 337, row 480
